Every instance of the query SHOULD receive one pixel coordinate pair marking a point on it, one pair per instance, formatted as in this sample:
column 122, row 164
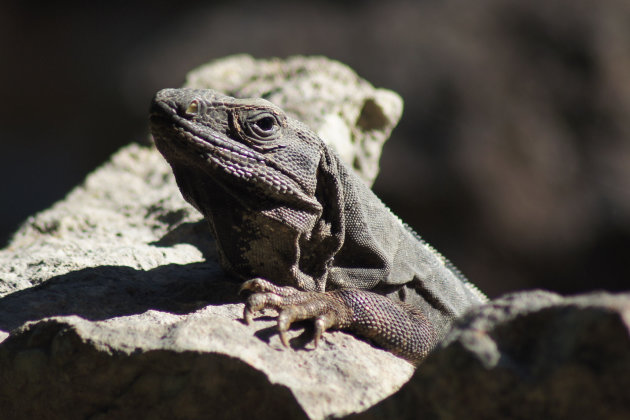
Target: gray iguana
column 309, row 237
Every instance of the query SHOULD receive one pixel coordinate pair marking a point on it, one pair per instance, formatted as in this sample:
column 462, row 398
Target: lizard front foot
column 392, row 325
column 294, row 305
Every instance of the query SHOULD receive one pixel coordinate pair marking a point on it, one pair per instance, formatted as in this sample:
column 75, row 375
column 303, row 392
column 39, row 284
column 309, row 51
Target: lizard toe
column 255, row 285
column 325, row 309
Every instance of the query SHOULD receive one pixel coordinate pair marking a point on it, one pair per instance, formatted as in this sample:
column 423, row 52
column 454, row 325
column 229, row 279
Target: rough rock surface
column 526, row 355
column 132, row 314
column 344, row 110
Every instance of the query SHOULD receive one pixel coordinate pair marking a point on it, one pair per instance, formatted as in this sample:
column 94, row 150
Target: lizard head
column 249, row 146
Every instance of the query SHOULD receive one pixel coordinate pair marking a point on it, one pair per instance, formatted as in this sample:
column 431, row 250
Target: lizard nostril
column 193, row 108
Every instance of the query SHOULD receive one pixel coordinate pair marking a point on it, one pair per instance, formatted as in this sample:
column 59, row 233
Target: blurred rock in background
column 512, row 156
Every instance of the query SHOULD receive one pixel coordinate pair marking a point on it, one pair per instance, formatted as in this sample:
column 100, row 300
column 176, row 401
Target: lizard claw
column 285, row 319
column 322, row 323
column 259, row 285
column 284, row 339
column 294, row 305
column 248, row 315
column 253, row 285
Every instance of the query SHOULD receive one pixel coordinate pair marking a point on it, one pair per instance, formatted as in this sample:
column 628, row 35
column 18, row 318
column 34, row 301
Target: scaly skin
column 287, row 213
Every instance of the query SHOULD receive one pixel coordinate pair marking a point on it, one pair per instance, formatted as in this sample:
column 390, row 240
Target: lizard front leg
column 395, row 326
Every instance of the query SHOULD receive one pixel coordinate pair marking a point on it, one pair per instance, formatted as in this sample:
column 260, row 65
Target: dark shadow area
column 81, row 382
column 299, row 342
column 104, row 292
column 196, row 234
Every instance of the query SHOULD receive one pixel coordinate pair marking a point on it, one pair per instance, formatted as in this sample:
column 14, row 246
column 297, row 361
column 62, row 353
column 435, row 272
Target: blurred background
column 512, row 156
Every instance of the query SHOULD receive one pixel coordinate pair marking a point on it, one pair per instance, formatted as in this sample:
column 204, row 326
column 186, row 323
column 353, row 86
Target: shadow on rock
column 104, row 292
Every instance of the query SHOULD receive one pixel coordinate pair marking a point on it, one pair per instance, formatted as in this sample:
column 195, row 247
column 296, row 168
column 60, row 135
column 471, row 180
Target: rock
column 345, row 110
column 201, row 364
column 113, row 305
column 133, row 317
column 128, row 213
column 526, row 355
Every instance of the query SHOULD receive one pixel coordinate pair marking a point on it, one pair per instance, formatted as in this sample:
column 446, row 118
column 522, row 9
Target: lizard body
column 310, row 237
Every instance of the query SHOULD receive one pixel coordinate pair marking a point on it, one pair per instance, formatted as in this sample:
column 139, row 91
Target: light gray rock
column 524, row 356
column 202, row 364
column 345, row 110
column 113, row 305
column 116, row 218
column 117, row 279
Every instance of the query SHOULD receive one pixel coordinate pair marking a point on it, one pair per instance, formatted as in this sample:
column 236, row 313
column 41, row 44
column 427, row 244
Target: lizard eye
column 263, row 127
column 265, row 124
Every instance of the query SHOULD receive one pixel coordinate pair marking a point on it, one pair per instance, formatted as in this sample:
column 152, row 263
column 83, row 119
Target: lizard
column 308, row 237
